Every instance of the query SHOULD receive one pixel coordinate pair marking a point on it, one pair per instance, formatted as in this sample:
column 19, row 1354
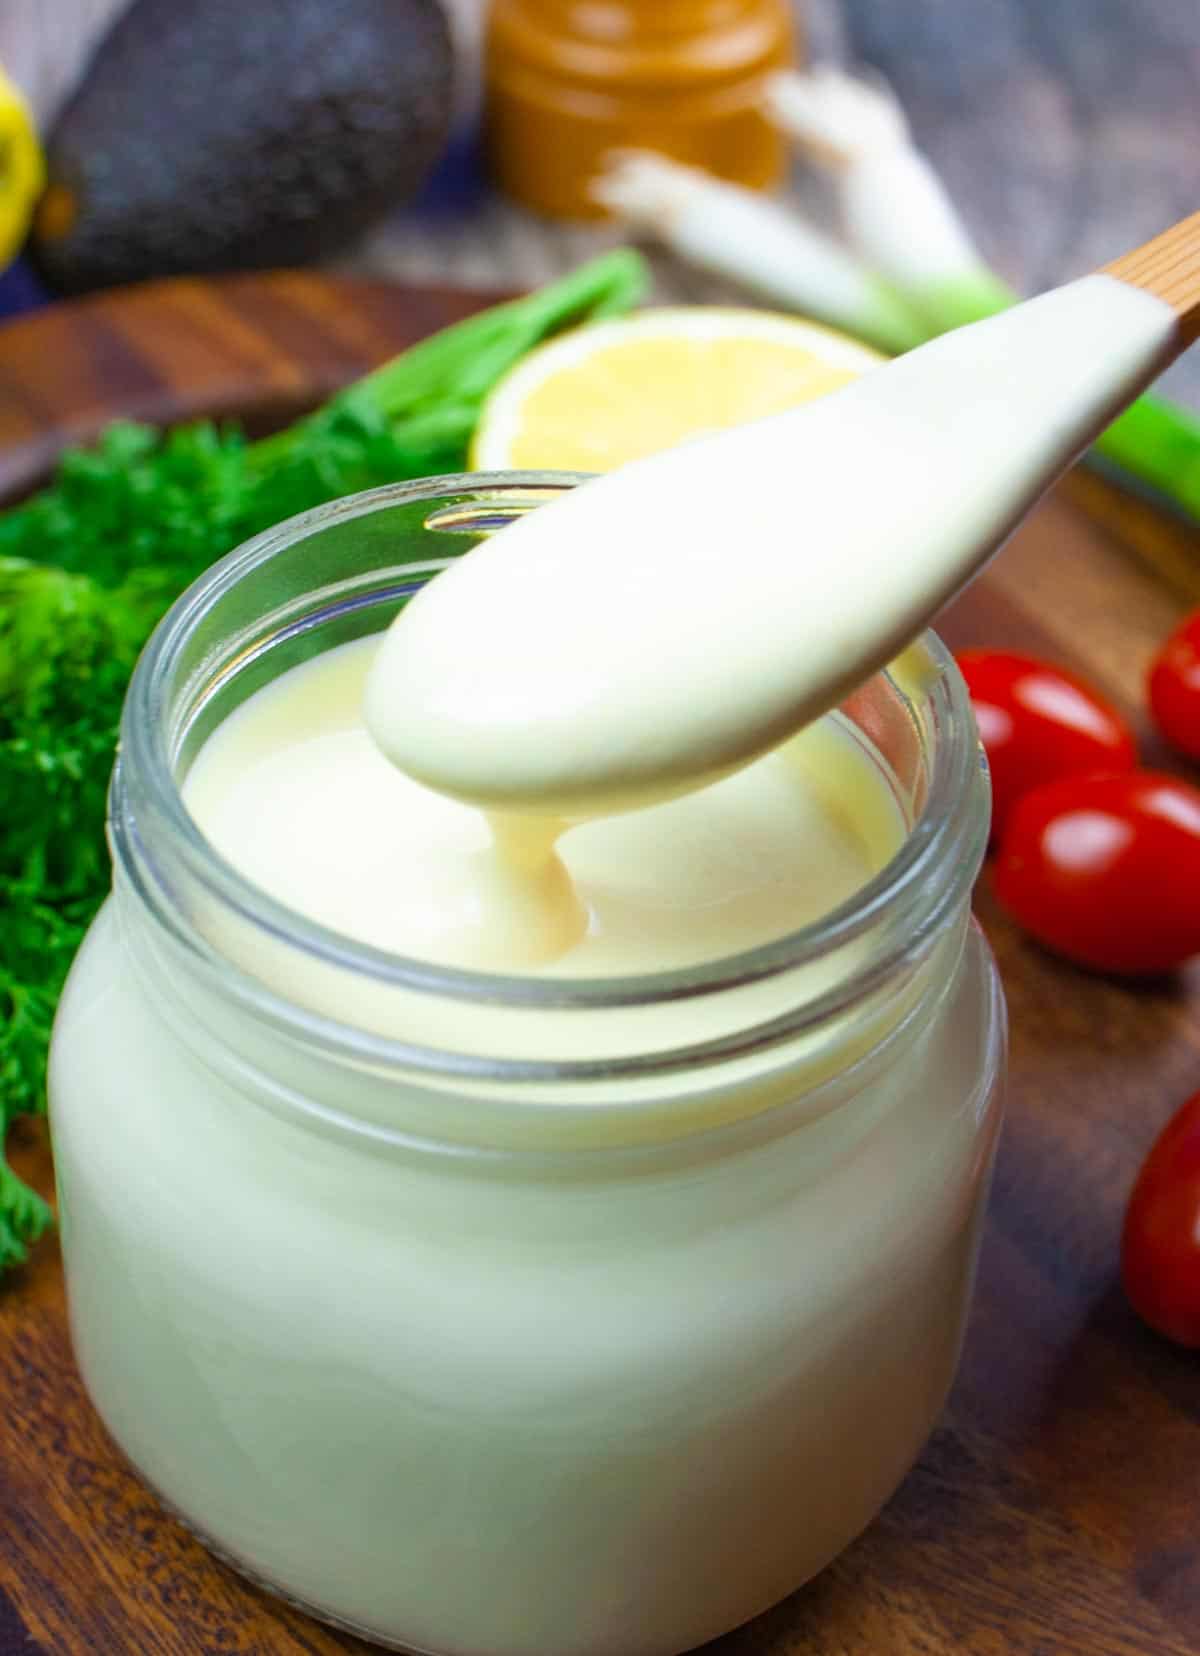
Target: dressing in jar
column 497, row 1275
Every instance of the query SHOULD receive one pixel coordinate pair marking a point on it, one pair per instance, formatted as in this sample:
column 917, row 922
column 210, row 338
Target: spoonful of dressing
column 665, row 624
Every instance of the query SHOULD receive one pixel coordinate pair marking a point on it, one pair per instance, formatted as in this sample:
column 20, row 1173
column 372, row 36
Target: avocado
column 211, row 135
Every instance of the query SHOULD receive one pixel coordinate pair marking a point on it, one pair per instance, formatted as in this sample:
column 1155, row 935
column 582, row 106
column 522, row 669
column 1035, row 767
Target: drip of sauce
column 530, row 912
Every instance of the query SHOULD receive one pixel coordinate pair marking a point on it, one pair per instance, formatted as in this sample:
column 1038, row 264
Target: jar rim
column 947, row 835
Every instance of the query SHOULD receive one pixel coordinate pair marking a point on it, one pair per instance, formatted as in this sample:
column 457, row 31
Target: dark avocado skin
column 235, row 134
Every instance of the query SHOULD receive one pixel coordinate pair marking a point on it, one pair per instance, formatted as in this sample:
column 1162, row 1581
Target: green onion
column 737, row 234
column 899, row 219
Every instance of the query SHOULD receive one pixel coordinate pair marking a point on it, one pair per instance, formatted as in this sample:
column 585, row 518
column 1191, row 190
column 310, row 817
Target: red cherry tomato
column 1174, row 687
column 1038, row 723
column 1106, row 869
column 1160, row 1243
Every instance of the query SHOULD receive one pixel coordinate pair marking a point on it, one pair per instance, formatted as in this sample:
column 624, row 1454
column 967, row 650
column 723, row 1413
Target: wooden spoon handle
column 1168, row 267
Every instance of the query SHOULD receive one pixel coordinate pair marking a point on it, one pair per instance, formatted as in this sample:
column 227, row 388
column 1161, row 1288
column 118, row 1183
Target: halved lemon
column 614, row 391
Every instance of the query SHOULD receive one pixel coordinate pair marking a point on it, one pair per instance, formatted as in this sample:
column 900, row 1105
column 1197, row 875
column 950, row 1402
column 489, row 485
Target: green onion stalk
column 899, row 219
column 741, row 236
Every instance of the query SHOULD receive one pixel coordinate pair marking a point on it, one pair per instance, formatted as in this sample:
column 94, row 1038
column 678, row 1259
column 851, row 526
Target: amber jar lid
column 569, row 80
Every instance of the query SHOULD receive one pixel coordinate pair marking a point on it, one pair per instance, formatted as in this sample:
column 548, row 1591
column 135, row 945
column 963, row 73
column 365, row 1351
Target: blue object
column 458, row 182
column 20, row 290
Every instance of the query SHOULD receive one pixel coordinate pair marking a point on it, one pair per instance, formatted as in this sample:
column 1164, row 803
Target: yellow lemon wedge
column 614, row 391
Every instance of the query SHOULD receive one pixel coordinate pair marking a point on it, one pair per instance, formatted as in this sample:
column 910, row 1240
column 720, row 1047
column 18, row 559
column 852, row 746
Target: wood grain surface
column 1056, row 1509
column 262, row 348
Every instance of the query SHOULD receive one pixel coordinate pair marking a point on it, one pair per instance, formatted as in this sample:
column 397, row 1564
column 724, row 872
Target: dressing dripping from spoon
column 665, row 624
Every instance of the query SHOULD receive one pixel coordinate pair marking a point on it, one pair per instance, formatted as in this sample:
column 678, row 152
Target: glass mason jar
column 499, row 1316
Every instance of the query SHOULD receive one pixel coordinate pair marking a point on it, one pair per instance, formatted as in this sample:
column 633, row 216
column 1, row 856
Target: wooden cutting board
column 1056, row 1510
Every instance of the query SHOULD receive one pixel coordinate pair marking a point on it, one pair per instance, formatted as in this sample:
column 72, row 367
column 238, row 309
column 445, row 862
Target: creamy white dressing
column 671, row 621
column 292, row 790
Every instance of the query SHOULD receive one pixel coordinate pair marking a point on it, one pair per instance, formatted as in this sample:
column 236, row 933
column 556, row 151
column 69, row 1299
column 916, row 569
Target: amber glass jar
column 568, row 80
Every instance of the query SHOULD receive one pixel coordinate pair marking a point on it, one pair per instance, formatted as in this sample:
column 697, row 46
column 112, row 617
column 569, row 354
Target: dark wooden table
column 1056, row 1510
